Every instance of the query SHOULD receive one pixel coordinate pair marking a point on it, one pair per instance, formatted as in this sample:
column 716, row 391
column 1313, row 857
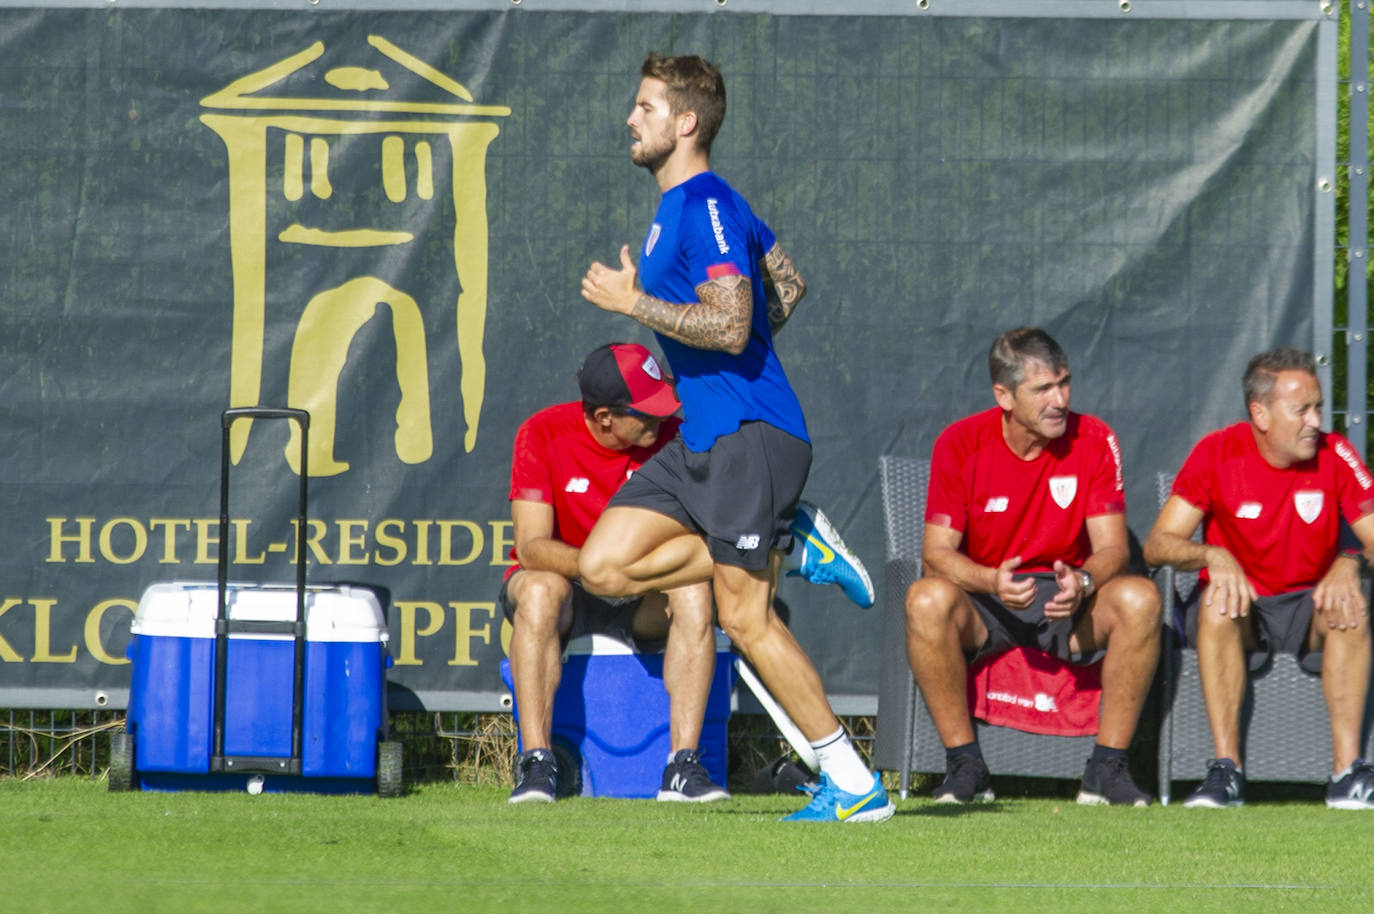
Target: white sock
column 842, row 764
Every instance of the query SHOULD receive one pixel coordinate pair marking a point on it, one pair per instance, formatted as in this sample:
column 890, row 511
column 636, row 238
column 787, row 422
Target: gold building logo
column 334, row 194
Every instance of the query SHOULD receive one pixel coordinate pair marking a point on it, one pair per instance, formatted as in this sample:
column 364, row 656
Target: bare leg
column 1221, row 643
column 1345, row 684
column 941, row 625
column 1125, row 619
column 633, row 551
column 543, row 610
column 745, row 601
column 689, row 660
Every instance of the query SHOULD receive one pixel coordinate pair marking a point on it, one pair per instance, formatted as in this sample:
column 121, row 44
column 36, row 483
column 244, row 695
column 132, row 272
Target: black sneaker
column 685, row 780
column 966, row 781
column 536, row 777
column 1354, row 789
column 1108, row 783
column 1224, row 786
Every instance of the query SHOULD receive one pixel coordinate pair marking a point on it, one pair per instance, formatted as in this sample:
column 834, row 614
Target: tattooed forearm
column 719, row 320
column 783, row 286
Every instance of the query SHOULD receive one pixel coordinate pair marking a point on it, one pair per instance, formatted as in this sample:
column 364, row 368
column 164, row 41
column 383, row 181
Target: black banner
column 382, row 217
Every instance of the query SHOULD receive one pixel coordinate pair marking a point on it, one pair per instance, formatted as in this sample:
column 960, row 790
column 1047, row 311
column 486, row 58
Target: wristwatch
column 1085, row 579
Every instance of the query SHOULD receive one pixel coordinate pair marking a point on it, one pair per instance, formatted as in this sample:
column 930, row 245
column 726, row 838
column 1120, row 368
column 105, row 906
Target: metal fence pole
column 1357, row 250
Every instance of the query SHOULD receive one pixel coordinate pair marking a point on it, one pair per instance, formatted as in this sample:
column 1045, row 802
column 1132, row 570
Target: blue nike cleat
column 831, row 804
column 826, row 559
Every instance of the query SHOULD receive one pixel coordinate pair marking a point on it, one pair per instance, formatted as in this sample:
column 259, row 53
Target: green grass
column 68, row 844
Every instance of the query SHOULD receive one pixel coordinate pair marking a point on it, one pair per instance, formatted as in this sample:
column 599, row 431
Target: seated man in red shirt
column 1271, row 493
column 1025, row 541
column 568, row 461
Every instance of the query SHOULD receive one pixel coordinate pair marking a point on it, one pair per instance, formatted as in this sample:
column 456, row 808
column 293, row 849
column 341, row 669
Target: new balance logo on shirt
column 578, row 484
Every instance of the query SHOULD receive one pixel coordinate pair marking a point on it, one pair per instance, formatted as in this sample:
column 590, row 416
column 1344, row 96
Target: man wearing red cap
column 569, row 460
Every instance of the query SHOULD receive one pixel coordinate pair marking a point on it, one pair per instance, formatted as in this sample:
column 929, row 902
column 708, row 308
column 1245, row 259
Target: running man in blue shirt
column 721, row 501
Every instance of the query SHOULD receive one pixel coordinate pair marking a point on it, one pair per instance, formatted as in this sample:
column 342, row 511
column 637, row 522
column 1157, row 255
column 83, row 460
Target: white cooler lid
column 599, row 644
column 186, row 609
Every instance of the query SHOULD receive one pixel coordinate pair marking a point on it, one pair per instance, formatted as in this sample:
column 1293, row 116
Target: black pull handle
column 265, row 412
column 302, row 419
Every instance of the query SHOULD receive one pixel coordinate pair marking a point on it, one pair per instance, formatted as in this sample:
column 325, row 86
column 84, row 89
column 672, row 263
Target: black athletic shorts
column 1009, row 628
column 593, row 615
column 1281, row 624
column 740, row 495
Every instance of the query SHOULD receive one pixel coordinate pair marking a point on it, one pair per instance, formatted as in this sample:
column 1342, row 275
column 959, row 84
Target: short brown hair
column 1013, row 349
column 1263, row 371
column 694, row 85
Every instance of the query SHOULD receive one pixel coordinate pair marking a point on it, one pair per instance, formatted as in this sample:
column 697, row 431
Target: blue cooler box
column 612, row 708
column 172, row 687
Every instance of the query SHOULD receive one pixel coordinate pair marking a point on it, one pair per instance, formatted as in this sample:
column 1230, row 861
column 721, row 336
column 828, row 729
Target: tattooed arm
column 783, row 286
column 719, row 319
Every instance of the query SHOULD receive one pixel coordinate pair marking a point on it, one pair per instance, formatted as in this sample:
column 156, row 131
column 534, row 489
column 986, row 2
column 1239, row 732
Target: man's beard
column 650, row 157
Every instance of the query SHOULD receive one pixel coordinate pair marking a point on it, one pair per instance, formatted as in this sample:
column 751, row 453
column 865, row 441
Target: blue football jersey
column 704, row 230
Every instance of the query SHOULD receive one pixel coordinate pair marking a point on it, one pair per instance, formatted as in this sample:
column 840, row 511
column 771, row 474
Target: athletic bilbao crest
column 1063, row 489
column 1309, row 505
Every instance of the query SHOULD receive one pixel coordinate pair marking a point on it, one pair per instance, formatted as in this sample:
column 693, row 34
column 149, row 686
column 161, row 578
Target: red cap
column 627, row 375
